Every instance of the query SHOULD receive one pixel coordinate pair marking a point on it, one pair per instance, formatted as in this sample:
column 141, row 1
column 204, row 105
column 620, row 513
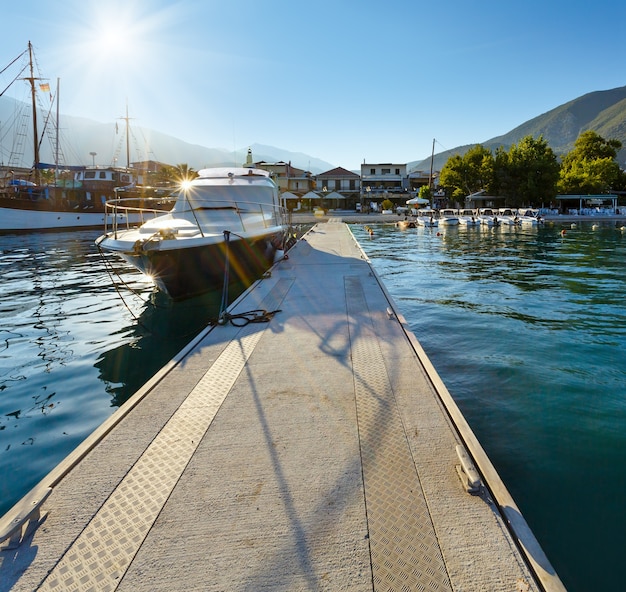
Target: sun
column 112, row 56
column 113, row 41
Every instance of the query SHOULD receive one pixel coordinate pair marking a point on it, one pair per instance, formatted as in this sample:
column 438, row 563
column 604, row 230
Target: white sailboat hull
column 16, row 220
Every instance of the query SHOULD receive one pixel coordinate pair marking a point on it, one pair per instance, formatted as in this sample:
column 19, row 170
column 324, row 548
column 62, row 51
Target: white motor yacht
column 226, row 226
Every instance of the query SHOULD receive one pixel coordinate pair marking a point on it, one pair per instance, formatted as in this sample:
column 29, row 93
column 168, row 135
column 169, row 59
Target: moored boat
column 427, row 218
column 488, row 217
column 468, row 217
column 508, row 217
column 225, row 226
column 448, row 217
column 529, row 216
column 54, row 196
column 406, row 223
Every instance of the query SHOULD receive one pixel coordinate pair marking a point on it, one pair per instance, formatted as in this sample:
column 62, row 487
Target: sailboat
column 43, row 197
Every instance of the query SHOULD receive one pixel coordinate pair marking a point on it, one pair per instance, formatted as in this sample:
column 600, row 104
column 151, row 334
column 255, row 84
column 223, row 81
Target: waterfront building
column 290, row 179
column 339, row 187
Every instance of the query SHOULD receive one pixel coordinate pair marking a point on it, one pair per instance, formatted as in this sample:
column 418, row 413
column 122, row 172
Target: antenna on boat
column 432, row 157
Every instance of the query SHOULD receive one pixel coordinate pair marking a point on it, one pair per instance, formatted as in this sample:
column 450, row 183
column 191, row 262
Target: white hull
column 14, row 220
column 427, row 222
column 448, row 217
column 468, row 218
column 226, row 225
column 469, row 222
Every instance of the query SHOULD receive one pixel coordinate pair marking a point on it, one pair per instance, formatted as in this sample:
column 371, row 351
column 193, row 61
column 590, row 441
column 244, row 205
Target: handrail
column 120, row 212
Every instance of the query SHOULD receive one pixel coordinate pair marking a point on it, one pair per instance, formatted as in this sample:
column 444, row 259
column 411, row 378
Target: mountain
column 603, row 112
column 80, row 137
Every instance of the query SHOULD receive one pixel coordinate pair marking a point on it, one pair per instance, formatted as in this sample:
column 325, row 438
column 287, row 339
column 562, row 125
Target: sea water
column 80, row 332
column 527, row 328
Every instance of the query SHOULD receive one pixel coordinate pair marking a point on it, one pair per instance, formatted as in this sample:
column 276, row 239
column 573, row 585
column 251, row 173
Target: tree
column 528, row 173
column 590, row 167
column 469, row 173
column 176, row 174
column 425, row 192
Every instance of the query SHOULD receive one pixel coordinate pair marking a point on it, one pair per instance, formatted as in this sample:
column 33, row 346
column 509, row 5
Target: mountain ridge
column 601, row 111
column 80, row 137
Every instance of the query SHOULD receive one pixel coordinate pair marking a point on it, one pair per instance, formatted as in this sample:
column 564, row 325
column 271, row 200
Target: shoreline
column 351, row 217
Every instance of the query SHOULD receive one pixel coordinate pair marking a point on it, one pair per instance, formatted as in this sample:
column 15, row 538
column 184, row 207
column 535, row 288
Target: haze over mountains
column 602, row 111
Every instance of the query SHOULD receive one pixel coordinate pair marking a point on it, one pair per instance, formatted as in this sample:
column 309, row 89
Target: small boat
column 225, row 226
column 529, row 216
column 488, row 217
column 406, row 223
column 427, row 218
column 448, row 217
column 468, row 217
column 508, row 217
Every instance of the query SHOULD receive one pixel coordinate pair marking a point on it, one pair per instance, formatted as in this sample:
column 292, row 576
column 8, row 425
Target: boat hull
column 16, row 220
column 190, row 271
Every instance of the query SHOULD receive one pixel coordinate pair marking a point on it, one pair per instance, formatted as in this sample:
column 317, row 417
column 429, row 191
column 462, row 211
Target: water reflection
column 527, row 328
column 72, row 350
column 162, row 329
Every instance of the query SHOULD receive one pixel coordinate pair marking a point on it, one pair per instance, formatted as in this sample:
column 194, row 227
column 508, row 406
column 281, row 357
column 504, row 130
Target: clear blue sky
column 344, row 81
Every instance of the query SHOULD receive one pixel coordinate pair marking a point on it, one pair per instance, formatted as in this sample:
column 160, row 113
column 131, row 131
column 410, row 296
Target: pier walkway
column 317, row 451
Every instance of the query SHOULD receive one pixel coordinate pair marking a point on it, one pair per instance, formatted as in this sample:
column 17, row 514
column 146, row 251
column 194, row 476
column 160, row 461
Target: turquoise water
column 527, row 328
column 71, row 349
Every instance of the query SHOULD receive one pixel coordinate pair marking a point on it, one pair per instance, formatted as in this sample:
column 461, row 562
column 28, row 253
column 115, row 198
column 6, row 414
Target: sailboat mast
column 127, row 140
column 31, row 79
column 56, row 147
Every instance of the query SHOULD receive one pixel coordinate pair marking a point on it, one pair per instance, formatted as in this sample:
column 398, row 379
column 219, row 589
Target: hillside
column 79, row 137
column 602, row 111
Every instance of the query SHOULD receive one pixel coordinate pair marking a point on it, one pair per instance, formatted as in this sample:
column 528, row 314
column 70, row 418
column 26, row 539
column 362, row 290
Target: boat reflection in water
column 162, row 330
column 72, row 349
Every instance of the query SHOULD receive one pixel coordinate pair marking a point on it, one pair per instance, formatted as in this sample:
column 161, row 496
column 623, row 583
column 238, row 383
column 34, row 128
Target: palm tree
column 177, row 174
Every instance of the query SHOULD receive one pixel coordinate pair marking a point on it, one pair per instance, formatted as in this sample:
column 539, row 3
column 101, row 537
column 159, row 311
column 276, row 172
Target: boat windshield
column 216, row 197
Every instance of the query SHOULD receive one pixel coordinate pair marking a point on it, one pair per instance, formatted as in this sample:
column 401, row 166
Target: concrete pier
column 316, row 451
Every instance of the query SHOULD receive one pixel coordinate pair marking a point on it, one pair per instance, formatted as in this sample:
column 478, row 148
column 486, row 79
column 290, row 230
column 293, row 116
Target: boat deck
column 316, row 451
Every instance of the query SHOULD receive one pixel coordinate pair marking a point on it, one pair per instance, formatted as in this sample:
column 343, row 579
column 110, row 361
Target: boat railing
column 127, row 212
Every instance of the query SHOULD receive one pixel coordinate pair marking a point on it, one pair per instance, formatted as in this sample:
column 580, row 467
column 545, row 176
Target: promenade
column 352, row 217
column 316, row 451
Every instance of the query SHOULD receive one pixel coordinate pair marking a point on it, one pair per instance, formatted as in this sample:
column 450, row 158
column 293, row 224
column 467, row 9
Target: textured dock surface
column 312, row 452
